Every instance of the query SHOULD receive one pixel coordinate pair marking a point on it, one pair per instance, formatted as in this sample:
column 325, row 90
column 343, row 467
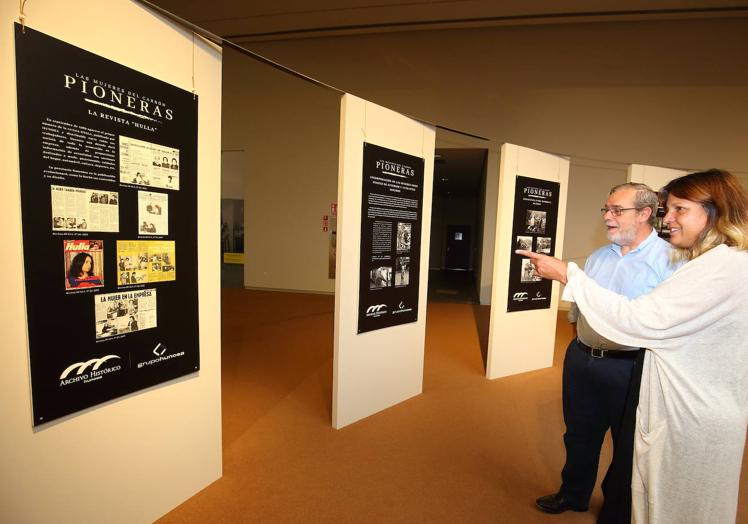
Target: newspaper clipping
column 153, row 213
column 84, row 263
column 84, row 209
column 146, row 164
column 143, row 261
column 125, row 312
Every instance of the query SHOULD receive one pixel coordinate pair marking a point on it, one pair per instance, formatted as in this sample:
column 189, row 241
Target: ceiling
column 244, row 21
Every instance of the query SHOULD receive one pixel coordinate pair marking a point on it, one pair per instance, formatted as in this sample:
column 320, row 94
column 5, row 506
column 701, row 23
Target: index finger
column 526, row 253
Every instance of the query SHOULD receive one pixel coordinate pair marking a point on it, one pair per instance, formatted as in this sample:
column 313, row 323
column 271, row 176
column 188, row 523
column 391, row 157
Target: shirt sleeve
column 690, row 300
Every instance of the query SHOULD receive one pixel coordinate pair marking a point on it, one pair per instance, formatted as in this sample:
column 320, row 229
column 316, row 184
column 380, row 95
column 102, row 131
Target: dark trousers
column 596, row 392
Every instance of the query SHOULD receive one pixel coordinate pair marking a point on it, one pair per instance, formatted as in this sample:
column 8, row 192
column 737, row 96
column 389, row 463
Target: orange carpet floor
column 466, row 450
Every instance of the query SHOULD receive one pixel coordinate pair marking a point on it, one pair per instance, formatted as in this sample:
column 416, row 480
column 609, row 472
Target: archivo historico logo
column 89, row 370
column 520, row 296
column 376, row 311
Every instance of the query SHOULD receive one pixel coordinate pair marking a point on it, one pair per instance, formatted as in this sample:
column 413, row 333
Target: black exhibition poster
column 533, row 229
column 391, row 204
column 108, row 172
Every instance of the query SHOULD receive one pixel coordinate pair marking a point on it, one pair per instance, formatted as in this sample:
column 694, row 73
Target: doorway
column 456, row 224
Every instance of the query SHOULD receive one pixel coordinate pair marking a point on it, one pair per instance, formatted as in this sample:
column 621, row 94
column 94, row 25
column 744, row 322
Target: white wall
column 131, row 459
column 288, row 129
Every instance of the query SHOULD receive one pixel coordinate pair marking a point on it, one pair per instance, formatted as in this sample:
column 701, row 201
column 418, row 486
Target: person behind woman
column 81, row 272
column 693, row 404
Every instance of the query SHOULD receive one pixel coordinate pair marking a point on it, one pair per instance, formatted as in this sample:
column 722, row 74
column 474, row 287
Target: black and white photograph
column 528, row 272
column 125, row 312
column 136, row 166
column 153, row 213
column 81, row 208
column 524, row 243
column 544, row 245
column 535, row 221
column 380, row 277
column 402, row 271
column 403, row 236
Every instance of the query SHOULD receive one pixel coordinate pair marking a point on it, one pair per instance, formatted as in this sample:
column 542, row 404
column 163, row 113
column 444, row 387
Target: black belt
column 607, row 353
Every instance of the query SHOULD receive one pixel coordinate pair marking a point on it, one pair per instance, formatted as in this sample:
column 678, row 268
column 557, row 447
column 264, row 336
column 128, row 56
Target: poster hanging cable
column 22, row 16
column 193, row 66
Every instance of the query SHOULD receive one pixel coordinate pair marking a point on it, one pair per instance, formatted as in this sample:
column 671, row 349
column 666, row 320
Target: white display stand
column 374, row 370
column 134, row 458
column 654, row 177
column 522, row 340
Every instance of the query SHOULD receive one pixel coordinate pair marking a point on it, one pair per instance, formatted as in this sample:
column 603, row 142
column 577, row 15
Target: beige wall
column 131, row 459
column 668, row 93
column 288, row 130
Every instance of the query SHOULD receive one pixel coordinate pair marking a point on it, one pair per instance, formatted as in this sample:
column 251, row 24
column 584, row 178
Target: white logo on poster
column 538, row 294
column 402, row 308
column 376, row 311
column 84, row 374
column 82, row 366
column 160, row 352
column 519, row 297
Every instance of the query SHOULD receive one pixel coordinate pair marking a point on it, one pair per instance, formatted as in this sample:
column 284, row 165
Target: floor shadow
column 452, row 286
column 482, row 316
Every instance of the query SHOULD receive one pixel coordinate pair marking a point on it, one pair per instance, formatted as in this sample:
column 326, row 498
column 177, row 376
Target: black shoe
column 557, row 503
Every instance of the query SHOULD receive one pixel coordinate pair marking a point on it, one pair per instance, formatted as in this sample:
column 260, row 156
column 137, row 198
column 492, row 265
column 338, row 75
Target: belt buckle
column 597, row 352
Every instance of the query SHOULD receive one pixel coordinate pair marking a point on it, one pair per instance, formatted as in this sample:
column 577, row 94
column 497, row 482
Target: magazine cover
column 84, row 263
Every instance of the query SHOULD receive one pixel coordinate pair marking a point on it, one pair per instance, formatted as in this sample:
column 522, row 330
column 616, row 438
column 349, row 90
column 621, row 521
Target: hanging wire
column 22, row 16
column 366, row 104
column 193, row 66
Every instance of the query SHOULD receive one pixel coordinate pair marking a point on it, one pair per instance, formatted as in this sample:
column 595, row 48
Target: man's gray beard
column 624, row 237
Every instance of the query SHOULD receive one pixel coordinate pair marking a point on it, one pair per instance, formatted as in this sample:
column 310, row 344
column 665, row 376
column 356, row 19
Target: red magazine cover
column 84, row 263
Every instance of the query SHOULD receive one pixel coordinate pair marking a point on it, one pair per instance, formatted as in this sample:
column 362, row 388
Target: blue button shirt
column 637, row 272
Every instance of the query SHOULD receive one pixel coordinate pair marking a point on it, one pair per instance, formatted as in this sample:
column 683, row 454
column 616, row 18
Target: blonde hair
column 726, row 205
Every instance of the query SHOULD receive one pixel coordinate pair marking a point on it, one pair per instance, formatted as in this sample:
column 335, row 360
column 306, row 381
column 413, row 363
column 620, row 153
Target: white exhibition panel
column 134, row 458
column 522, row 340
column 654, row 177
column 375, row 370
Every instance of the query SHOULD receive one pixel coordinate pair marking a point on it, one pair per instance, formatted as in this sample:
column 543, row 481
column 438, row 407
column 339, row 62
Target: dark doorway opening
column 457, row 224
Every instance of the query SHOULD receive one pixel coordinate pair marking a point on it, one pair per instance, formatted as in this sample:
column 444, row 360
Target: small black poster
column 392, row 200
column 108, row 177
column 533, row 229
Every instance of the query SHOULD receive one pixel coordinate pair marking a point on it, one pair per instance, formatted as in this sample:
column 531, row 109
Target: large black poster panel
column 108, row 162
column 390, row 238
column 533, row 229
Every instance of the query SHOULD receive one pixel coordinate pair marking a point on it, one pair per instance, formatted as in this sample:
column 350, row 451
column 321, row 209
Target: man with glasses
column 599, row 375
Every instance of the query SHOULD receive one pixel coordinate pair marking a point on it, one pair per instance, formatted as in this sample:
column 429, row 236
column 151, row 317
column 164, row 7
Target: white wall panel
column 375, row 370
column 131, row 459
column 522, row 340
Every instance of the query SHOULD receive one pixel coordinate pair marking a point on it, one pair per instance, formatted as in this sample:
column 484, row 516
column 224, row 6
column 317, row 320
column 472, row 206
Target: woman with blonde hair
column 693, row 404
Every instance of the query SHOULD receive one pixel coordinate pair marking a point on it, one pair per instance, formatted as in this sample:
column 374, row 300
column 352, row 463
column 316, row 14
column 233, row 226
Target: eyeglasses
column 616, row 211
